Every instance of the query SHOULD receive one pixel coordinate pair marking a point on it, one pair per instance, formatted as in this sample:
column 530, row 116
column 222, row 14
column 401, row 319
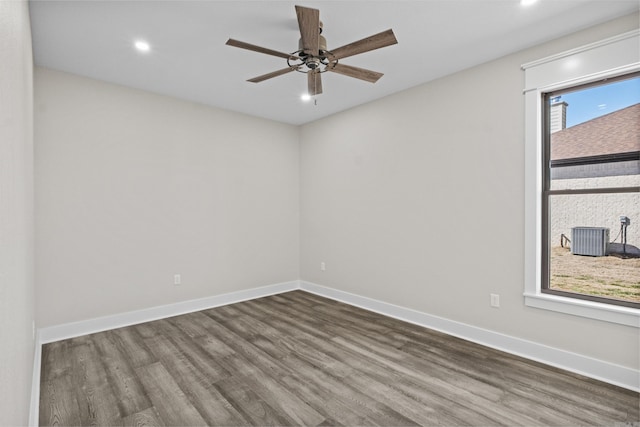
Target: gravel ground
column 607, row 276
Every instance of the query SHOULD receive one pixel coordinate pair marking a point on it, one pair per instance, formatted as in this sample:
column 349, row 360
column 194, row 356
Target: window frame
column 547, row 192
column 605, row 59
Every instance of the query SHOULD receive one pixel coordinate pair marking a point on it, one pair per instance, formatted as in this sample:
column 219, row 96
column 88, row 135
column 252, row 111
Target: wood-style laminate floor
column 299, row 359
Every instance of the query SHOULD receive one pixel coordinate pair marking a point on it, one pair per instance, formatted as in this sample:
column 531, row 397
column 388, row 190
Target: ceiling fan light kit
column 313, row 58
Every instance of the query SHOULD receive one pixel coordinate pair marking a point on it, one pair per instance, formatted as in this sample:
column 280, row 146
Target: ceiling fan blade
column 358, row 73
column 271, row 75
column 248, row 46
column 309, row 23
column 383, row 39
column 314, row 83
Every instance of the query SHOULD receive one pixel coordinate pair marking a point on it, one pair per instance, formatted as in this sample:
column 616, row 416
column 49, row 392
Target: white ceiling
column 189, row 59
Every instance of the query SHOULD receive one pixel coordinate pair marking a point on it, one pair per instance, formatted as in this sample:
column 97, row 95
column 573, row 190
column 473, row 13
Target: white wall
column 417, row 200
column 132, row 188
column 16, row 213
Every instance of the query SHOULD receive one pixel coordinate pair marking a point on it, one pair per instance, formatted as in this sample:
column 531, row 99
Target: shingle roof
column 617, row 132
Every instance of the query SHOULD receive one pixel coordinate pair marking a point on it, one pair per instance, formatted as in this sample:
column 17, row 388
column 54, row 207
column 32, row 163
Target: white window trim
column 608, row 58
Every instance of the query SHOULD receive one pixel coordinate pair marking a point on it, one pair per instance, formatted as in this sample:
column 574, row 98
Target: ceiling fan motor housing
column 322, row 45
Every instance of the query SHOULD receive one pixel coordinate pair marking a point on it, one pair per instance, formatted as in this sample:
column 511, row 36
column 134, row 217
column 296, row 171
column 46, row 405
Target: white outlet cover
column 495, row 300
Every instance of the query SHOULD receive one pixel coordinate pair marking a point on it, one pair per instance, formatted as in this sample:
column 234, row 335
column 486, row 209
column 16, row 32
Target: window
column 590, row 200
column 560, row 188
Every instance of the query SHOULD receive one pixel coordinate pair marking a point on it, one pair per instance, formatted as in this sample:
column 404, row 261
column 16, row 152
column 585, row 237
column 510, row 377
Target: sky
column 597, row 101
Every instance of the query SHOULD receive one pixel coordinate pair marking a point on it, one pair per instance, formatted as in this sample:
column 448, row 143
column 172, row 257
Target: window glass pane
column 595, row 137
column 588, row 251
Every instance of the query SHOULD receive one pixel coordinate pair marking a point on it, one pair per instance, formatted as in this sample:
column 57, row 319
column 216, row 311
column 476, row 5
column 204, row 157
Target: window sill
column 594, row 310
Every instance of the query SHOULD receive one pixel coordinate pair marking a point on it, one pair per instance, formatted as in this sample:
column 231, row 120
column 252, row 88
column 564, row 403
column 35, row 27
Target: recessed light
column 571, row 63
column 527, row 2
column 305, row 97
column 142, row 46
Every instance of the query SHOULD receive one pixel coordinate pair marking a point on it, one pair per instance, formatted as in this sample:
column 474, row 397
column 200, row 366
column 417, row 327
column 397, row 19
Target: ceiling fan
column 313, row 58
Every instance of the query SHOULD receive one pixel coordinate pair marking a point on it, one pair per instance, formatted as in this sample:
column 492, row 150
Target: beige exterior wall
column 596, row 210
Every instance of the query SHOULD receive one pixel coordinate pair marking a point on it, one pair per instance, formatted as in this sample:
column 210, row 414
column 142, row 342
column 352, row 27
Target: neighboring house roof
column 613, row 133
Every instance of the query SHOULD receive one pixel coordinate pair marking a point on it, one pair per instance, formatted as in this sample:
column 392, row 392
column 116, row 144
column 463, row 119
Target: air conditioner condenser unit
column 592, row 241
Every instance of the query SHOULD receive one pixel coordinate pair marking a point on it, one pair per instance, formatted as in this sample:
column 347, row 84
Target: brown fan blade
column 309, row 23
column 314, row 83
column 248, row 46
column 271, row 75
column 358, row 73
column 383, row 39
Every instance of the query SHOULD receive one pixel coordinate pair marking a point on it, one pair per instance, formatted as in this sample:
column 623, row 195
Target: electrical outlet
column 323, row 266
column 177, row 280
column 495, row 300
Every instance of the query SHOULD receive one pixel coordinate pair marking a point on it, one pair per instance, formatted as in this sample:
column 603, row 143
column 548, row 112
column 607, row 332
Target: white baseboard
column 34, row 405
column 98, row 324
column 573, row 362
